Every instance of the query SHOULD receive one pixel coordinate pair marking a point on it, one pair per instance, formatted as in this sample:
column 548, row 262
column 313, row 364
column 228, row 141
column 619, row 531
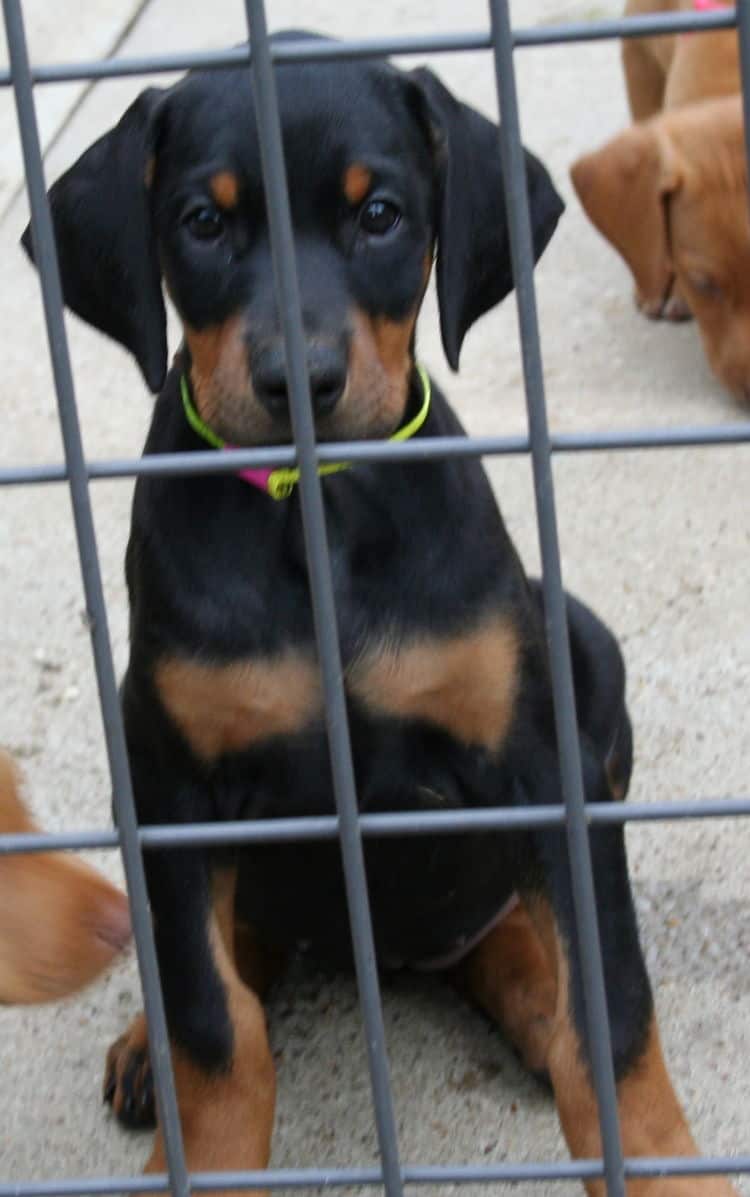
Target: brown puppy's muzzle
column 327, row 364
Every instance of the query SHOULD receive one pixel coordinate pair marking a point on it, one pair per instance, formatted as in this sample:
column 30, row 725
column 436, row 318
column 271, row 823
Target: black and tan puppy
column 441, row 634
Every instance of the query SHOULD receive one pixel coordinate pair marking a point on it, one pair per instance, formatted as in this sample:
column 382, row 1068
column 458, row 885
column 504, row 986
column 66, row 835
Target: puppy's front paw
column 677, row 308
column 651, row 306
column 128, row 1081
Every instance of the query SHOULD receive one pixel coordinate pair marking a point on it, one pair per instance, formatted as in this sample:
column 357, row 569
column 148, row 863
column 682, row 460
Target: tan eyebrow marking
column 225, row 189
column 356, row 182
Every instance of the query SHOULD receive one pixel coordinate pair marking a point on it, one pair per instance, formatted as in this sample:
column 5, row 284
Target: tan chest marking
column 466, row 685
column 228, row 708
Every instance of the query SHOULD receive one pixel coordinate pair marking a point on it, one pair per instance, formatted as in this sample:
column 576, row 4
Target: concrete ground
column 655, row 541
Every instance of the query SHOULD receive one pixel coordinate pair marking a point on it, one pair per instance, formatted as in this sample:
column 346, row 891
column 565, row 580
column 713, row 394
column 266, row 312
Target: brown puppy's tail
column 61, row 922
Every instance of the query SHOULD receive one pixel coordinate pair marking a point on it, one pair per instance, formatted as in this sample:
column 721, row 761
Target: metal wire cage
column 501, row 40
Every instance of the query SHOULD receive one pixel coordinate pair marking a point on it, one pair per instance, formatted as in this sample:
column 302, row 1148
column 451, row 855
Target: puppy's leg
column 651, row 1119
column 258, row 964
column 677, row 307
column 223, row 1068
column 526, row 975
column 510, row 975
column 644, row 78
column 128, row 1079
column 224, row 1071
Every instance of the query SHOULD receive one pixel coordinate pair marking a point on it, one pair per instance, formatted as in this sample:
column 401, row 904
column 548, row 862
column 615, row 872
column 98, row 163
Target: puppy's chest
column 464, row 683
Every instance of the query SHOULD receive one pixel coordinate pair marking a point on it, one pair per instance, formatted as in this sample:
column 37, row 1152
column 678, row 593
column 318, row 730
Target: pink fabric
column 257, row 478
column 706, row 5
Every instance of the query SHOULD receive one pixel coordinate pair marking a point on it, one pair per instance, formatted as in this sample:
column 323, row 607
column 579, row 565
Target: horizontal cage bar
column 411, row 823
column 276, row 1178
column 564, row 34
column 427, row 449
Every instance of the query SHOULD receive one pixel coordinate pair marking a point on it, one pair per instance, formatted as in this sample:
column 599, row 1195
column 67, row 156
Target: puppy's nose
column 326, row 365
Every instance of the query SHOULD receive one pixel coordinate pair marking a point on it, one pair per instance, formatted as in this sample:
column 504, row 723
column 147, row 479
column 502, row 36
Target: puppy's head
column 385, row 169
column 671, row 195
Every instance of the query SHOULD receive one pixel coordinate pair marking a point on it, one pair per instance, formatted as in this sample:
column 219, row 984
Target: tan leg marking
column 519, row 975
column 466, row 685
column 227, row 708
column 128, row 1081
column 258, row 965
column 512, row 978
column 61, row 922
column 652, row 1122
column 227, row 1118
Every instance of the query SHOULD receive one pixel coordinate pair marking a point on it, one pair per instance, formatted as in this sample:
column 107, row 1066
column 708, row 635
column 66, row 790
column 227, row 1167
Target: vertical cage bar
column 516, row 195
column 321, row 587
column 743, row 34
column 46, row 258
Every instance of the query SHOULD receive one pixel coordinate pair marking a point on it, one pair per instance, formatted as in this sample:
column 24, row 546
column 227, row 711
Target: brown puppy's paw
column 651, row 306
column 673, row 306
column 677, row 308
column 128, row 1080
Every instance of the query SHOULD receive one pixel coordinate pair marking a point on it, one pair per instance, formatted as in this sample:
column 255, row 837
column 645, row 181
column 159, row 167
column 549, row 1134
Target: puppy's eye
column 204, row 224
column 378, row 217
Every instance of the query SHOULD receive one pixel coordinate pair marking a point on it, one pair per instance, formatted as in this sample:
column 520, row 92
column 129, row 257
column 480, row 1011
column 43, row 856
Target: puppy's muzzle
column 327, row 369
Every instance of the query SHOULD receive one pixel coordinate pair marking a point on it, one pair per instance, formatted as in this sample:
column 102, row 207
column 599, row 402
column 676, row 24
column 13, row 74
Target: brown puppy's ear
column 473, row 253
column 105, row 245
column 624, row 188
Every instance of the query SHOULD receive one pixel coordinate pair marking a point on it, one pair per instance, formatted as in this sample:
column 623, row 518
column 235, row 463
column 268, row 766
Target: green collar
column 280, row 483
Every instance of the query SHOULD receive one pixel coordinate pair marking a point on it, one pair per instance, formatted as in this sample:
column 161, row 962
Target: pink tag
column 257, row 478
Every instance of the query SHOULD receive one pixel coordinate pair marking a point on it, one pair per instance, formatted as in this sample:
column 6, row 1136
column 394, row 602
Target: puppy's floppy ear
column 623, row 188
column 105, row 243
column 473, row 252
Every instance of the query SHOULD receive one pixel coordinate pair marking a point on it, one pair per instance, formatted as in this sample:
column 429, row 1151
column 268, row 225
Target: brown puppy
column 61, row 923
column 670, row 193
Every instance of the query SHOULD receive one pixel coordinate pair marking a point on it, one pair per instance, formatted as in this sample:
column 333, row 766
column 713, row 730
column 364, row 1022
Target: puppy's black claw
column 147, row 1105
column 128, row 1084
column 108, row 1092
